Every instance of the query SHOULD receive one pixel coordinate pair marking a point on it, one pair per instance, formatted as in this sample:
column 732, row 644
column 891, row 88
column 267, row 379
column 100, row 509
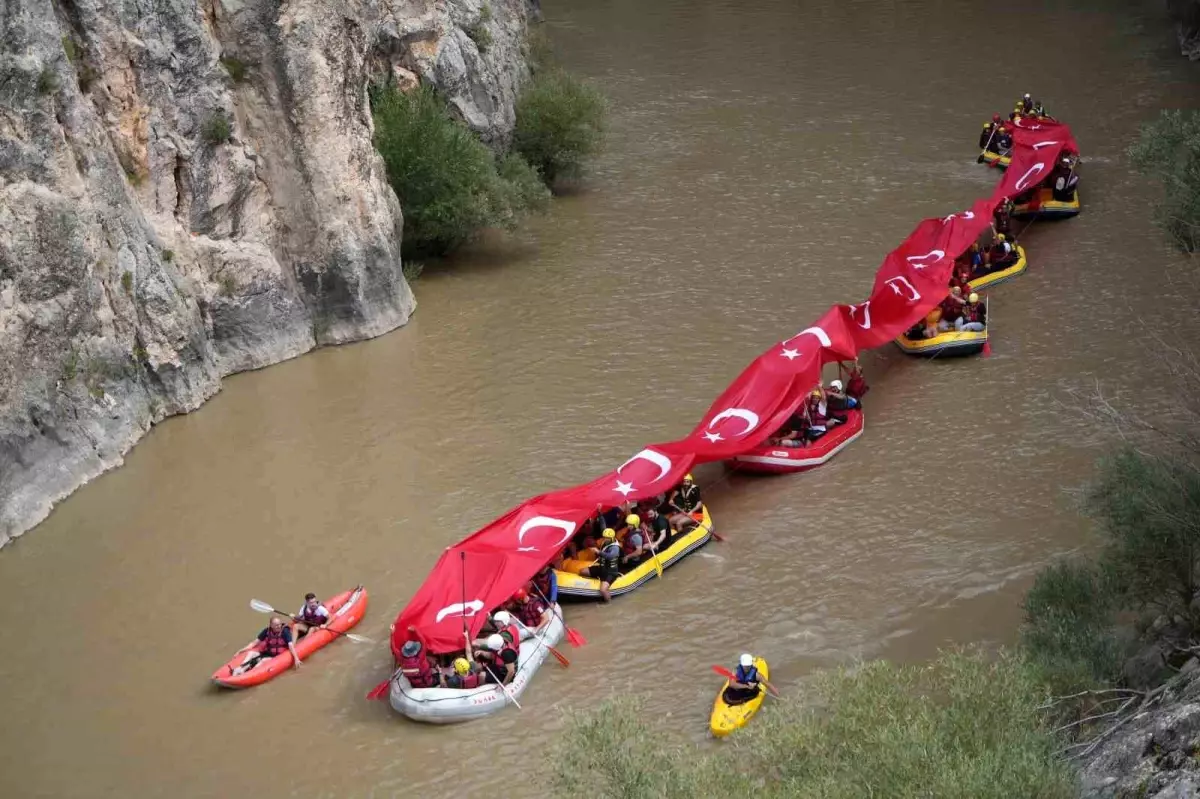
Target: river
column 762, row 159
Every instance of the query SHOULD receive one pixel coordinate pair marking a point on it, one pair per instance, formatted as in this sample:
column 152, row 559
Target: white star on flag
column 791, row 355
column 714, row 437
column 625, row 488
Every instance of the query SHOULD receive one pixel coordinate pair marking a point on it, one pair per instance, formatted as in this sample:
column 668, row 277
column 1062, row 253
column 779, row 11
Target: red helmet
column 996, row 117
column 521, row 595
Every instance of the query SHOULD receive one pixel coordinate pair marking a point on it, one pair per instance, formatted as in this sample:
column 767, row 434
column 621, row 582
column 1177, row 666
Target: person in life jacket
column 607, row 566
column 546, row 584
column 311, row 616
column 1002, row 218
column 1063, row 180
column 794, row 432
column 685, row 501
column 660, row 531
column 856, row 384
column 633, row 547
column 1004, row 140
column 461, row 675
column 951, row 308
column 973, row 317
column 274, row 640
column 531, row 610
column 414, row 664
column 499, row 660
column 818, row 419
column 988, row 137
column 838, row 399
column 1026, row 104
column 745, row 684
column 1002, row 253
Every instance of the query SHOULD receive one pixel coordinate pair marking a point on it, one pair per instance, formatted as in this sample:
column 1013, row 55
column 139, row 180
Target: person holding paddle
column 685, row 500
column 312, row 616
column 745, row 683
column 275, row 639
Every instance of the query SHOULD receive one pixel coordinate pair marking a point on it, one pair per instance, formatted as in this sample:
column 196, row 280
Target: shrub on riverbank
column 965, row 725
column 1169, row 149
column 560, row 123
column 449, row 183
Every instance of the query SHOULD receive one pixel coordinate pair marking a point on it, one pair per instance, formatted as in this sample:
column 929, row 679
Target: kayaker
column 499, row 660
column 685, row 500
column 414, row 664
column 312, row 616
column 275, row 639
column 607, row 566
column 745, row 684
column 546, row 583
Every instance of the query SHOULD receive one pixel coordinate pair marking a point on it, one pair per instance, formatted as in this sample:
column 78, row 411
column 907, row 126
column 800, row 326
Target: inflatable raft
column 1044, row 206
column 996, row 159
column 771, row 459
column 949, row 344
column 575, row 586
column 725, row 717
column 1001, row 275
column 452, row 705
column 345, row 611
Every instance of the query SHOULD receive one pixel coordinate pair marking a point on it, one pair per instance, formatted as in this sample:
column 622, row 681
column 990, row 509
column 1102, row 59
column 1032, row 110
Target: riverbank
column 194, row 195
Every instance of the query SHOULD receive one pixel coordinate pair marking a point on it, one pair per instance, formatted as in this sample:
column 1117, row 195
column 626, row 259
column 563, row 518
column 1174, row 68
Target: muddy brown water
column 763, row 158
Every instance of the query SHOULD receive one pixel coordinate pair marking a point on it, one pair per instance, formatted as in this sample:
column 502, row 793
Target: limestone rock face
column 188, row 189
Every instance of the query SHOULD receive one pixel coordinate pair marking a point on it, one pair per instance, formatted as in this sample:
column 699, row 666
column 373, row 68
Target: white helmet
column 495, row 642
column 502, row 617
column 836, row 385
column 746, row 660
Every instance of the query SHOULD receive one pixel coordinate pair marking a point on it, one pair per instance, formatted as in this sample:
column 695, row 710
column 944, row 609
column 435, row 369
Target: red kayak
column 771, row 459
column 345, row 611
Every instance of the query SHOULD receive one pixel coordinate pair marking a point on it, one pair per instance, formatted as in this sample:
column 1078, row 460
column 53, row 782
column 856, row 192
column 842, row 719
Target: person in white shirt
column 312, row 616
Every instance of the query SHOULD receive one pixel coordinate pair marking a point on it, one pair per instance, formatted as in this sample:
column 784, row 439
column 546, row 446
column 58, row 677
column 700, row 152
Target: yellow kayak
column 727, row 718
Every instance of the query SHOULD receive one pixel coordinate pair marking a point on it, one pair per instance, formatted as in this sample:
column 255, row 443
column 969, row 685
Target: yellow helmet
column 609, row 533
column 816, row 392
column 999, row 237
column 632, row 520
column 973, row 298
column 687, row 478
column 987, row 125
column 461, row 666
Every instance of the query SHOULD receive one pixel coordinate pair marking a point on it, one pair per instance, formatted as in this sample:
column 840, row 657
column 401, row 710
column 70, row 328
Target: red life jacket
column 856, row 386
column 515, row 636
column 531, row 612
column 417, row 670
column 542, row 581
column 814, row 412
column 274, row 644
column 312, row 619
column 971, row 312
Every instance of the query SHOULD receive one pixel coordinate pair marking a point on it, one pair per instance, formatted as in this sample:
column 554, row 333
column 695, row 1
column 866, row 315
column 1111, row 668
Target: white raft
column 451, row 705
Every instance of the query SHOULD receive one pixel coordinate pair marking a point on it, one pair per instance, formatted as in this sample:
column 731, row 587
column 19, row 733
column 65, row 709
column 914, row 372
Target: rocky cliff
column 188, row 189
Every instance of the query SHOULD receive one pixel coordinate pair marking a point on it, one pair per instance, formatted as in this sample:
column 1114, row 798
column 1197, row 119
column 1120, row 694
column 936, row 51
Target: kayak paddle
column 727, row 674
column 263, row 607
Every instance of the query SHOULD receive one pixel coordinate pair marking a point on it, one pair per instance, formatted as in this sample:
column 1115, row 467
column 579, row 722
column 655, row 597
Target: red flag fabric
column 483, row 570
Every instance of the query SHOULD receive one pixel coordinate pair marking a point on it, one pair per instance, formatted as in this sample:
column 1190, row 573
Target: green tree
column 447, row 180
column 1169, row 149
column 560, row 123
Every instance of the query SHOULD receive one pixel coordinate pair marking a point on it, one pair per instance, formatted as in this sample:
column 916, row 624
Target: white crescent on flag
column 749, row 417
column 657, row 458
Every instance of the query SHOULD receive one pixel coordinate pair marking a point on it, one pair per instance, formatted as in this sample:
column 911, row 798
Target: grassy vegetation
column 965, row 725
column 47, row 82
column 449, row 183
column 560, row 123
column 1169, row 149
column 236, row 68
column 217, row 130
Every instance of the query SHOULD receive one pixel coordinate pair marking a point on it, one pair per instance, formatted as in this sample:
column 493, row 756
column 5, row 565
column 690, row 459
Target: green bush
column 1070, row 633
column 446, row 179
column 560, row 123
column 1169, row 149
column 235, row 67
column 217, row 129
column 1149, row 506
column 47, row 82
column 479, row 34
column 963, row 726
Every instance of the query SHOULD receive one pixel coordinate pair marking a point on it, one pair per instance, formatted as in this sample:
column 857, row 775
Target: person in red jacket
column 275, row 639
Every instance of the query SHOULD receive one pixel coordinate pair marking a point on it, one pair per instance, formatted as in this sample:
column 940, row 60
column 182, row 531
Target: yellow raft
column 950, row 343
column 727, row 718
column 1001, row 275
column 1047, row 207
column 571, row 585
column 995, row 159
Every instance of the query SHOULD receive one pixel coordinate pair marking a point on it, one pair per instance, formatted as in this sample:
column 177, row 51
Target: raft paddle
column 558, row 655
column 263, row 607
column 380, row 691
column 727, row 674
column 502, row 686
column 657, row 563
column 574, row 637
column 980, row 159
